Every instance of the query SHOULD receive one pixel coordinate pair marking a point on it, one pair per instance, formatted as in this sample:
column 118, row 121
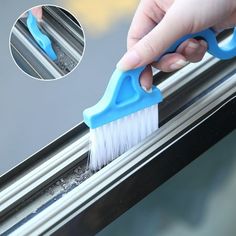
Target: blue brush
column 43, row 41
column 126, row 114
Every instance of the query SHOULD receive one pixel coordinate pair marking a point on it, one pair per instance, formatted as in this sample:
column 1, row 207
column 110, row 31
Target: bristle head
column 113, row 139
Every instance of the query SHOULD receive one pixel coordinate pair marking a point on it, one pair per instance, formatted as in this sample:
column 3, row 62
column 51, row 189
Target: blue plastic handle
column 43, row 41
column 124, row 95
column 224, row 52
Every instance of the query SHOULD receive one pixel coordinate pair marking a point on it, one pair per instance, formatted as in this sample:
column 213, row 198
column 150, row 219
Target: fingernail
column 193, row 45
column 130, row 60
column 179, row 64
column 146, row 90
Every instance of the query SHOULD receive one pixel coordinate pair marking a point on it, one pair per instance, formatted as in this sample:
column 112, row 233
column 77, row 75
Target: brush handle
column 223, row 52
column 124, row 94
column 43, row 41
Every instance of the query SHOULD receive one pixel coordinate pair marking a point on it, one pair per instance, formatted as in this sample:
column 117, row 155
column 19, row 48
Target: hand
column 157, row 24
column 37, row 12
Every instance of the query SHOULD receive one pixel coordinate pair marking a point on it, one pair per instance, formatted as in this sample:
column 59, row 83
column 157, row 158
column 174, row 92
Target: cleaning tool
column 43, row 41
column 127, row 114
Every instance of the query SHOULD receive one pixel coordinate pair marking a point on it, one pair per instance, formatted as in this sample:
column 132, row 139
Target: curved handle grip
column 224, row 52
column 43, row 41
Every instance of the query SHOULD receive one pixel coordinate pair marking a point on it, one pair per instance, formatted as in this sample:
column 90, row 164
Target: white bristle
column 113, row 139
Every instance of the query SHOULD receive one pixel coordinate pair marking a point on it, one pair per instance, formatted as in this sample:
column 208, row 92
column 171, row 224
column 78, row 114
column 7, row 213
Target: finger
column 186, row 52
column 229, row 22
column 145, row 19
column 171, row 62
column 146, row 78
column 155, row 42
column 37, row 12
column 193, row 50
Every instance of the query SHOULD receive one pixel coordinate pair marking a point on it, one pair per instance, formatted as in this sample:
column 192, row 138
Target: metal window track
column 67, row 39
column 52, row 192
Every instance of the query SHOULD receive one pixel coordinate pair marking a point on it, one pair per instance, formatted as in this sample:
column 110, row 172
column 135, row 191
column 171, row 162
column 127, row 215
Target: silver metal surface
column 64, row 35
column 38, row 177
column 73, row 28
column 75, row 201
column 31, row 181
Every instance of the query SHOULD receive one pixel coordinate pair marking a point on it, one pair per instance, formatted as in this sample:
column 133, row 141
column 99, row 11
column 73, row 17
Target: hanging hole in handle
column 229, row 44
column 221, row 35
column 225, row 48
column 224, row 34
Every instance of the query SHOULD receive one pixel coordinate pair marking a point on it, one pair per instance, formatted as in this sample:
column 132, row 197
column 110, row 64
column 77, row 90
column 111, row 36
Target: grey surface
column 199, row 200
column 34, row 113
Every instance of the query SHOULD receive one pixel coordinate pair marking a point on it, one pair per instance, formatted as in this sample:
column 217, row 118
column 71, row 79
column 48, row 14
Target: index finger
column 146, row 17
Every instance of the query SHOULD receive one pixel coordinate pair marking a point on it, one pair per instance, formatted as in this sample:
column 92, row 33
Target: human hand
column 157, row 24
column 37, row 12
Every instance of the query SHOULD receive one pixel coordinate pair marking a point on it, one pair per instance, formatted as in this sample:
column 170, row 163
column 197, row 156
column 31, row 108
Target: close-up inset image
column 47, row 42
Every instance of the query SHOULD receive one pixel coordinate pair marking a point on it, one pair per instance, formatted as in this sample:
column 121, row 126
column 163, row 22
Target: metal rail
column 75, row 31
column 88, row 192
column 60, row 159
column 51, row 194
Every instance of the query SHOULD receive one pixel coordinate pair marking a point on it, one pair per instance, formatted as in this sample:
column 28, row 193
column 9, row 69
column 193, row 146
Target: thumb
column 145, row 51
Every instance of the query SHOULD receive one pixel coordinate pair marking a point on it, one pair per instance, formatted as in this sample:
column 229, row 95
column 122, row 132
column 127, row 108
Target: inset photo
column 47, row 42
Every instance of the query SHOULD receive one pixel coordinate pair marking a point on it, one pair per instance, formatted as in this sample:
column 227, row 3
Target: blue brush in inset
column 126, row 114
column 43, row 41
